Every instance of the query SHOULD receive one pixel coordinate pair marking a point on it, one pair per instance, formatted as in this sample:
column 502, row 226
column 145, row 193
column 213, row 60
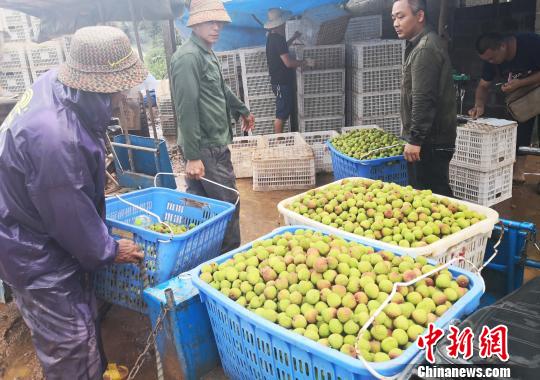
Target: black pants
column 218, row 168
column 431, row 172
column 524, row 133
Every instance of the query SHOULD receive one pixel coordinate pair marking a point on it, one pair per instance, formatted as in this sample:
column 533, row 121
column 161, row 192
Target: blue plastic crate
column 390, row 169
column 186, row 342
column 164, row 256
column 251, row 347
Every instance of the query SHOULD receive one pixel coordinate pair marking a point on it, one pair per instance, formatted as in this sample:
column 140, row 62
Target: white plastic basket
column 485, row 144
column 389, row 123
column 377, row 80
column 286, row 162
column 328, row 57
column 376, row 54
column 242, row 149
column 364, row 28
column 358, row 127
column 253, row 61
column 257, row 85
column 44, row 56
column 469, row 242
column 15, row 81
column 321, row 82
column 483, row 188
column 376, row 104
column 321, row 124
column 317, row 142
column 265, row 126
column 323, row 105
column 13, row 56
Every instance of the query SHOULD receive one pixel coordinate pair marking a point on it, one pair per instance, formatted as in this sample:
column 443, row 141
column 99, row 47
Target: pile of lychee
column 168, row 228
column 388, row 212
column 326, row 289
column 368, row 144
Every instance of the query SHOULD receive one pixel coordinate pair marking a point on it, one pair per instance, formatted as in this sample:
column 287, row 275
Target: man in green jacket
column 428, row 101
column 204, row 104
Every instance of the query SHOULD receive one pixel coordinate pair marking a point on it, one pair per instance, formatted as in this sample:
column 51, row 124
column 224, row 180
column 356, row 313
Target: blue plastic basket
column 251, row 347
column 390, row 169
column 164, row 255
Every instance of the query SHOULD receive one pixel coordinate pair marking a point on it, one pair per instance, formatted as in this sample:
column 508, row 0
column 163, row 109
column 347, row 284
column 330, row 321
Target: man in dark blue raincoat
column 52, row 178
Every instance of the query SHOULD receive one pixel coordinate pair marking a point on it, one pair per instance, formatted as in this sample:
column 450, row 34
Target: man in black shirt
column 516, row 60
column 280, row 65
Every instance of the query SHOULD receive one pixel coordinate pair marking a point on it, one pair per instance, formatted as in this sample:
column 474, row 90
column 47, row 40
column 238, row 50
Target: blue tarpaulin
column 244, row 31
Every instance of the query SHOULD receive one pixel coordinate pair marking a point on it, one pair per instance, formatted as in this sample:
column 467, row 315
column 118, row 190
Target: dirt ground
column 124, row 332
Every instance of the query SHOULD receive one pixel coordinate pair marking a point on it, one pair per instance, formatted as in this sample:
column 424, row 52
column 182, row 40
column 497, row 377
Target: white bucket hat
column 276, row 17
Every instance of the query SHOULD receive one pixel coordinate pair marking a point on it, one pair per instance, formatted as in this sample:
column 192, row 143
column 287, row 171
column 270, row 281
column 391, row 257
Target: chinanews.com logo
column 492, row 345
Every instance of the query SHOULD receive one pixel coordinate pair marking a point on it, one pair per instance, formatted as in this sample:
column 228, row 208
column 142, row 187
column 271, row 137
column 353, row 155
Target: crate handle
column 150, row 213
column 391, row 295
column 205, row 179
column 377, row 150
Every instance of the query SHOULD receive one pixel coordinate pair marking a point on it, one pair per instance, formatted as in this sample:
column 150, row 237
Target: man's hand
column 511, row 86
column 248, row 122
column 476, row 112
column 195, row 169
column 128, row 252
column 412, row 152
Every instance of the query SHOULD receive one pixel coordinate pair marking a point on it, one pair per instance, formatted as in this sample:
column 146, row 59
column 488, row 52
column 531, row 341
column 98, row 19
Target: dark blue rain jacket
column 52, row 177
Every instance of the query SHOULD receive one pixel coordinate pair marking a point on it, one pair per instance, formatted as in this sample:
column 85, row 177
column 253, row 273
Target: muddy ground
column 124, row 332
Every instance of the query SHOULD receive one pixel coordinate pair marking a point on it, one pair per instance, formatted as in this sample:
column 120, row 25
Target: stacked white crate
column 165, row 108
column 16, row 24
column 364, row 28
column 258, row 95
column 43, row 57
column 66, row 44
column 482, row 167
column 321, row 88
column 230, row 65
column 374, row 81
column 14, row 75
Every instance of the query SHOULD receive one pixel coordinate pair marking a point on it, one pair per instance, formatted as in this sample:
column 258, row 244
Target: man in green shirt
column 204, row 105
column 428, row 101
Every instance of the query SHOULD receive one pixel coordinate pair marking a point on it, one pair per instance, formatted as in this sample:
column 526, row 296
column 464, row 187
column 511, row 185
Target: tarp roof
column 65, row 16
column 244, row 31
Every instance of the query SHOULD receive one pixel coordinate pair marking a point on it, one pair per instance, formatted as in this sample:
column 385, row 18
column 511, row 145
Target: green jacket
column 428, row 97
column 204, row 103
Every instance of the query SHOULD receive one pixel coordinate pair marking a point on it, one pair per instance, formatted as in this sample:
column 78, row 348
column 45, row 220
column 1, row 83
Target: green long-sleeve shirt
column 204, row 103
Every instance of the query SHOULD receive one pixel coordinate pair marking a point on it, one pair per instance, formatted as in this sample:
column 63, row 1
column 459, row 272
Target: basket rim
column 338, row 358
column 228, row 209
column 434, row 249
column 374, row 161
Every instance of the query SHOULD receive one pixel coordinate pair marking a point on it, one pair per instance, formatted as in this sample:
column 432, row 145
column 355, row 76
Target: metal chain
column 534, row 241
column 150, row 342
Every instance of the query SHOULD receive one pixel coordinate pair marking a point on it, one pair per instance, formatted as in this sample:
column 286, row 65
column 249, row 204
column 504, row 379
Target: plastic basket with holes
column 321, row 105
column 328, row 57
column 285, row 162
column 265, row 126
column 13, row 56
column 318, row 124
column 364, row 28
column 469, row 243
column 389, row 123
column 44, row 55
column 375, row 104
column 317, row 142
column 389, row 169
column 242, row 149
column 252, row 347
column 377, row 80
column 321, row 82
column 164, row 255
column 485, row 144
column 484, row 188
column 15, row 81
column 376, row 54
